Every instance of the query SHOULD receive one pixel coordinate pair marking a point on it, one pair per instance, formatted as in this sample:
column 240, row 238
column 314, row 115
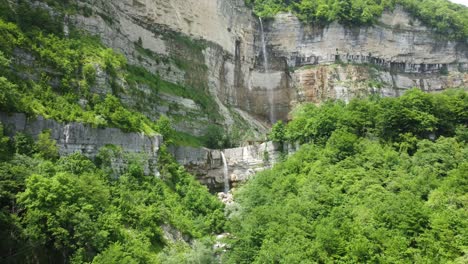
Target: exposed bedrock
column 78, row 137
column 205, row 164
column 335, row 61
column 243, row 162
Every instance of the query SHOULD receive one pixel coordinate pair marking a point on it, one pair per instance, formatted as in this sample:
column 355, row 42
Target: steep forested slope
column 378, row 181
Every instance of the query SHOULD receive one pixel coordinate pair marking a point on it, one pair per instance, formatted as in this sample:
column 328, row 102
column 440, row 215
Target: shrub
column 23, row 144
column 47, row 147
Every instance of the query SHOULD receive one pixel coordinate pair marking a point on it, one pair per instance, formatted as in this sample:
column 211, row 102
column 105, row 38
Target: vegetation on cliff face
column 75, row 78
column 67, row 71
column 377, row 181
column 444, row 16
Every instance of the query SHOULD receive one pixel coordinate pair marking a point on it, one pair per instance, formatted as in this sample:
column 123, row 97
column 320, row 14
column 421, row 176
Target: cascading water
column 226, row 174
column 66, row 133
column 264, row 50
column 271, row 95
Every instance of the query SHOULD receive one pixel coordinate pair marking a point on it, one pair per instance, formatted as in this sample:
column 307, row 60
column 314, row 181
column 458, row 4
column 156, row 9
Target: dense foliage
column 378, row 181
column 71, row 209
column 445, row 17
column 401, row 121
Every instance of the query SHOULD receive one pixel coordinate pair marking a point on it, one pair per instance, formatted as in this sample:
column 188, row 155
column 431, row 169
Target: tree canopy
column 375, row 181
column 71, row 209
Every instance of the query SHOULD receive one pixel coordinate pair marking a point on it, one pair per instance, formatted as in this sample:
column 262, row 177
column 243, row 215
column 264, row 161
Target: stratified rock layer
column 215, row 47
column 77, row 137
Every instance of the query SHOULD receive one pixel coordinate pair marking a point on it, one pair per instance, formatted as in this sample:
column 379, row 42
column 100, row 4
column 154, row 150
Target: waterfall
column 66, row 133
column 226, row 174
column 271, row 95
column 264, row 49
column 66, row 29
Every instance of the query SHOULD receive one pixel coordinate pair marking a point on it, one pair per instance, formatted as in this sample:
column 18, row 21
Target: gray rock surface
column 77, row 137
column 339, row 62
column 243, row 162
column 205, row 164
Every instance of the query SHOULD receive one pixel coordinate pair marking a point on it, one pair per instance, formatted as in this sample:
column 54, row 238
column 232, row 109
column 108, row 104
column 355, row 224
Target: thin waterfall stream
column 66, row 133
column 266, row 65
column 226, row 173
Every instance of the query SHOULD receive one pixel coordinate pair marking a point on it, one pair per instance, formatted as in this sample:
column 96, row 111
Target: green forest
column 75, row 210
column 378, row 180
column 443, row 16
column 375, row 181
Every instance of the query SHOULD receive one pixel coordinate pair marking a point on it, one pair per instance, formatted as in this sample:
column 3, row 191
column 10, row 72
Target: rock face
column 243, row 162
column 395, row 39
column 205, row 45
column 396, row 54
column 76, row 137
column 226, row 31
column 205, row 164
column 341, row 62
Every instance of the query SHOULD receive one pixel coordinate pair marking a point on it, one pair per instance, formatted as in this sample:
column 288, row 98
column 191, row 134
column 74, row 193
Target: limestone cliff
column 242, row 162
column 308, row 62
column 77, row 137
column 397, row 53
column 205, row 45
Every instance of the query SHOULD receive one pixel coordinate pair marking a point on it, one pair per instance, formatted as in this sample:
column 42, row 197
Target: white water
column 66, row 132
column 226, row 173
column 271, row 95
column 264, row 50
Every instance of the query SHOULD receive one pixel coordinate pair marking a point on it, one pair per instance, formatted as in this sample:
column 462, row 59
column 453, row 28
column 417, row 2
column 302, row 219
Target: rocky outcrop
column 207, row 45
column 77, row 137
column 227, row 31
column 205, row 164
column 243, row 162
column 397, row 41
column 316, row 83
